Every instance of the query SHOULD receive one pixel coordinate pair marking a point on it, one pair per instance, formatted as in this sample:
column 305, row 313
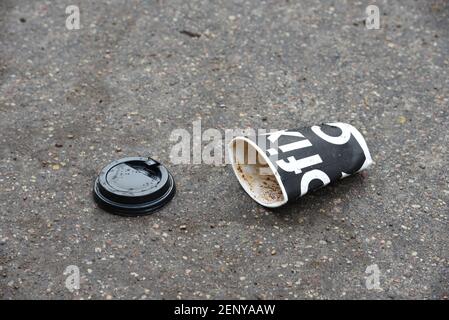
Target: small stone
column 273, row 252
column 183, row 227
column 118, row 149
column 70, row 136
column 59, row 145
column 56, row 167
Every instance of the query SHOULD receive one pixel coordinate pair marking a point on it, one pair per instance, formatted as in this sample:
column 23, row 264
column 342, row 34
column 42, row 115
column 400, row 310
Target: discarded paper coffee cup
column 285, row 165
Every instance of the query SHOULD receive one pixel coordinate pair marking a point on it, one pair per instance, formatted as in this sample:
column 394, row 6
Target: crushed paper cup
column 285, row 165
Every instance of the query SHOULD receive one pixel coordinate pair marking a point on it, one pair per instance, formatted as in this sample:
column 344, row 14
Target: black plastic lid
column 134, row 186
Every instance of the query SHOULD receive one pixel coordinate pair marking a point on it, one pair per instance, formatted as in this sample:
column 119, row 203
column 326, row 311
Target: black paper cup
column 283, row 166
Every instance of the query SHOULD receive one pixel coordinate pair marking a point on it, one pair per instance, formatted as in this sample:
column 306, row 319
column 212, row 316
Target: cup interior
column 256, row 173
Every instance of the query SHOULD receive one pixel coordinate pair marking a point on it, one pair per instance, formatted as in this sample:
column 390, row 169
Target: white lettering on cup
column 312, row 175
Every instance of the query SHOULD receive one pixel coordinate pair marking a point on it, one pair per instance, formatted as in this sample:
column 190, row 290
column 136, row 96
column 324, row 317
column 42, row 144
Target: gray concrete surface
column 72, row 101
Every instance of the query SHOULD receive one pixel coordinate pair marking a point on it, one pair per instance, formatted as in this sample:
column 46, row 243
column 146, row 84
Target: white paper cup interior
column 256, row 173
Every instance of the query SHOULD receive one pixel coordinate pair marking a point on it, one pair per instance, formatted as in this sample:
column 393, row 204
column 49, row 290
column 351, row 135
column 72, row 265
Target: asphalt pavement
column 71, row 101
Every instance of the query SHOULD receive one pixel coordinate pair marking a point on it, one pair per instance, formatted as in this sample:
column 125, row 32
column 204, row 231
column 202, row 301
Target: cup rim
column 272, row 167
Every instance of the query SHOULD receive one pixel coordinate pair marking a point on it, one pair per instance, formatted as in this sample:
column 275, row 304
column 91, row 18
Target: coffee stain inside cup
column 255, row 175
